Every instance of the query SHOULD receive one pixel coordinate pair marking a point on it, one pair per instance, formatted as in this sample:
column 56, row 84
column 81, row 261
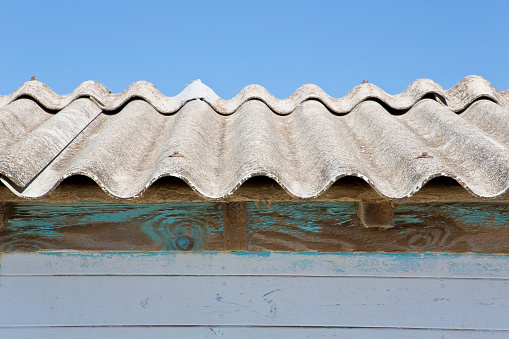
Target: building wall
column 95, row 269
column 290, row 295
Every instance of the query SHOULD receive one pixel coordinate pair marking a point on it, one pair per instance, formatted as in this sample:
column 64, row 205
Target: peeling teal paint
column 302, row 215
column 254, row 254
column 451, row 265
column 182, row 225
column 173, row 224
column 401, row 256
column 489, row 214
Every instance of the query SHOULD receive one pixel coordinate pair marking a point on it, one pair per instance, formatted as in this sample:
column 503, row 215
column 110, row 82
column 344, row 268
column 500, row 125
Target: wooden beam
column 375, row 214
column 235, row 226
column 6, row 210
column 85, row 226
column 282, row 227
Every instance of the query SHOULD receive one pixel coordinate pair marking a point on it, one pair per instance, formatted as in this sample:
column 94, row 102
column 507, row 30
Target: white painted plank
column 316, row 264
column 240, row 332
column 360, row 291
column 255, row 300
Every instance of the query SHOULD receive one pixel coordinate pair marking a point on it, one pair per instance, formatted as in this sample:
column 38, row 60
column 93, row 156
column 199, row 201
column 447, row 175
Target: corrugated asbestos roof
column 126, row 141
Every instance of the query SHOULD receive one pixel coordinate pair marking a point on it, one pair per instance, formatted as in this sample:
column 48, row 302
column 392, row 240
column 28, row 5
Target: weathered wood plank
column 258, row 300
column 235, row 226
column 242, row 332
column 335, row 227
column 254, row 300
column 312, row 226
column 252, row 263
column 106, row 226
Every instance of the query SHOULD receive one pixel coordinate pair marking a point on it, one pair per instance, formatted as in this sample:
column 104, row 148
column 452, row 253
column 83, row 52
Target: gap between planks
column 434, row 277
column 262, row 326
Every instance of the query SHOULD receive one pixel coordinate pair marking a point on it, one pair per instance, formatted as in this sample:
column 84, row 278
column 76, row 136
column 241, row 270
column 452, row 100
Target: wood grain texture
column 6, row 210
column 285, row 226
column 407, row 294
column 335, row 227
column 235, row 226
column 105, row 226
column 377, row 214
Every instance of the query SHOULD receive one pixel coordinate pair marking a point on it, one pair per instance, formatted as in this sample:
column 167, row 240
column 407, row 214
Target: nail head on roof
column 424, row 155
column 176, row 154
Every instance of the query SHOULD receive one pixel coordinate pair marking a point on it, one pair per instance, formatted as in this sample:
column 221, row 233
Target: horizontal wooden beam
column 285, row 226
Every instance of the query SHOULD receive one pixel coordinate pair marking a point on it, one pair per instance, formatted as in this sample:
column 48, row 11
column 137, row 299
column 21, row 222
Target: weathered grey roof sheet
column 306, row 142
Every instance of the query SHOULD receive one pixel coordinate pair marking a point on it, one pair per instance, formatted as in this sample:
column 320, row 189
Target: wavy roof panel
column 127, row 141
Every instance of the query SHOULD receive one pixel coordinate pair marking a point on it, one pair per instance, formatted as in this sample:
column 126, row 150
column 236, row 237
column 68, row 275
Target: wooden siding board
column 252, row 263
column 334, row 290
column 255, row 300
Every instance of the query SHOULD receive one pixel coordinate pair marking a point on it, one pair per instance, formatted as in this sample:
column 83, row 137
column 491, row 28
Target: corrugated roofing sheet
column 127, row 141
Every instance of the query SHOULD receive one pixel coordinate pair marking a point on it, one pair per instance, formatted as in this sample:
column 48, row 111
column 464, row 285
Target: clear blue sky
column 228, row 45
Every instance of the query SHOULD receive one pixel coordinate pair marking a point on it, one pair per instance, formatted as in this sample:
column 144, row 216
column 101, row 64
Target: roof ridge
column 460, row 96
